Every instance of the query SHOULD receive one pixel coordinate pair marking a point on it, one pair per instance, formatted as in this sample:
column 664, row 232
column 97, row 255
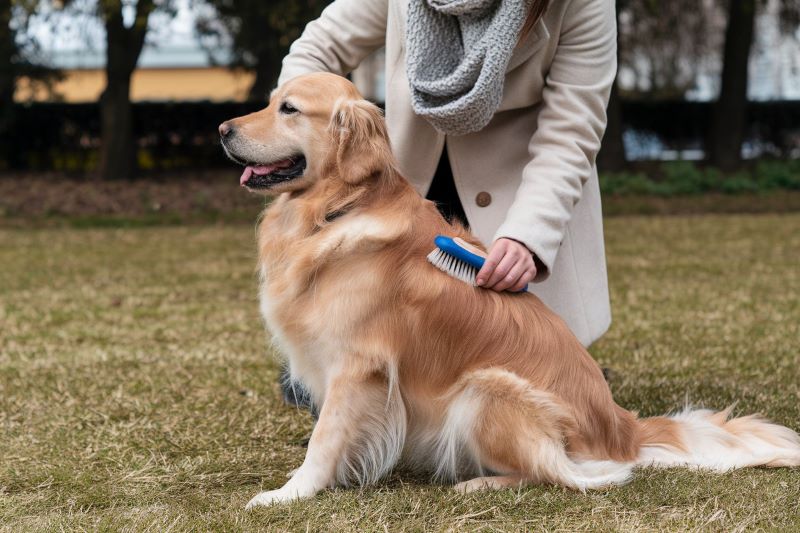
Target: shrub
column 740, row 182
column 771, row 174
column 684, row 178
column 626, row 183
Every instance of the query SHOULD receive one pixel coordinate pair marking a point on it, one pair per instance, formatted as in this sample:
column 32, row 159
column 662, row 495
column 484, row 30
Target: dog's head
column 316, row 127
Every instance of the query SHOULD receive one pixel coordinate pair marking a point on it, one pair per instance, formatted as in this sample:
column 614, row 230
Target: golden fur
column 408, row 363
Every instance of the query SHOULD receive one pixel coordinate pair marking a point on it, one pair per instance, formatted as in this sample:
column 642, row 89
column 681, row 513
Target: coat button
column 483, row 199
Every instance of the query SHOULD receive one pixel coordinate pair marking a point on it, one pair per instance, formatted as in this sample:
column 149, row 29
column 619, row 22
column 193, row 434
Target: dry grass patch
column 137, row 392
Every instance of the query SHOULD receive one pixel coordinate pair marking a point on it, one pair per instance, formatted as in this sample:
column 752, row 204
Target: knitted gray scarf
column 457, row 52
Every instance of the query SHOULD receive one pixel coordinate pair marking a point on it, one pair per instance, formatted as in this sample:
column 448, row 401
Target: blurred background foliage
column 261, row 33
column 683, row 91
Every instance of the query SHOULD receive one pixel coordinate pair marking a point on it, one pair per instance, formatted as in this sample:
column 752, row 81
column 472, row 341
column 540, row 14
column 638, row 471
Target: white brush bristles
column 454, row 267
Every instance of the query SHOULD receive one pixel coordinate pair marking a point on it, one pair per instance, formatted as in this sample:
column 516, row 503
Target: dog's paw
column 272, row 497
column 471, row 485
column 489, row 483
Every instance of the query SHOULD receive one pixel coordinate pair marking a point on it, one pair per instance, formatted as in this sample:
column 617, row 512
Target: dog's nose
column 225, row 129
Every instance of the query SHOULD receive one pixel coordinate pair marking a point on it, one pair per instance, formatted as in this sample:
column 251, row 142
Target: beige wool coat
column 530, row 174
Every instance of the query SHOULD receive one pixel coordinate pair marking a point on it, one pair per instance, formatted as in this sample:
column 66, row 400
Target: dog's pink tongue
column 248, row 171
column 263, row 170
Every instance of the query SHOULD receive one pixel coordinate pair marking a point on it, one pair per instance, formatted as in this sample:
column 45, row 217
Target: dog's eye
column 288, row 109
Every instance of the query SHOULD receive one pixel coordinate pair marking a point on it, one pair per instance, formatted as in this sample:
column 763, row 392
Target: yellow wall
column 213, row 83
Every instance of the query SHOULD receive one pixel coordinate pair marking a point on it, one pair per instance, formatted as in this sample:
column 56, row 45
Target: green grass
column 137, row 391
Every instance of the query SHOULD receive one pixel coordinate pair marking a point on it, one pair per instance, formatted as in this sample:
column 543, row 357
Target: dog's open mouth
column 262, row 176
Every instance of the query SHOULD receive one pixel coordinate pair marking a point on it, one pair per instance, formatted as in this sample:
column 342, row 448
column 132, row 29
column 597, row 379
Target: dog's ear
column 361, row 141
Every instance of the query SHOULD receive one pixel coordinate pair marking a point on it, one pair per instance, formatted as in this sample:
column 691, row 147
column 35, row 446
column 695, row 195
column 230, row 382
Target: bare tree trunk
column 729, row 114
column 123, row 46
column 118, row 150
column 7, row 85
column 7, row 51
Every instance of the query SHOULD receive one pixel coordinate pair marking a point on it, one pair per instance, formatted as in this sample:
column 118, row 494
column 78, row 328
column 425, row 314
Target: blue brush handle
column 451, row 247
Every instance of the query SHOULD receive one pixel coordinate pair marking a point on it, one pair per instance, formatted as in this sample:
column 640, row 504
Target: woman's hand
column 510, row 265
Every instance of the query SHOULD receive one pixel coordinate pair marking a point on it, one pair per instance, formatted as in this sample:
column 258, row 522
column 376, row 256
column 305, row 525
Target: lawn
column 137, row 391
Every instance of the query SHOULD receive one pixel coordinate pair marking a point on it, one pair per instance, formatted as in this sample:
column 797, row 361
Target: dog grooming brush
column 458, row 259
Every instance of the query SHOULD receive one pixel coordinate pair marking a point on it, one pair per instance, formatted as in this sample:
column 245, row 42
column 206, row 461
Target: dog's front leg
column 350, row 405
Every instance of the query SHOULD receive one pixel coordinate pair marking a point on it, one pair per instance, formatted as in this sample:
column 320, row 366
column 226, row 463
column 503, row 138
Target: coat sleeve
column 571, row 122
column 345, row 33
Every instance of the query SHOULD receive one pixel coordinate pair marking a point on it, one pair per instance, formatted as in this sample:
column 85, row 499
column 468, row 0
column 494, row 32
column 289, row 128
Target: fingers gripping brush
column 459, row 259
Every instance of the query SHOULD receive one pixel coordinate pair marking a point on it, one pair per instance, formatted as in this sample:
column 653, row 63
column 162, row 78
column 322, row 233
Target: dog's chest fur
column 318, row 287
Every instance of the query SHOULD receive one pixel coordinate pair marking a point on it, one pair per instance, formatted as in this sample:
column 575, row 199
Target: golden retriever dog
column 408, row 364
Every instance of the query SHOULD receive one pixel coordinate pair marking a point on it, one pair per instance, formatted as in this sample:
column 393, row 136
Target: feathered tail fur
column 712, row 440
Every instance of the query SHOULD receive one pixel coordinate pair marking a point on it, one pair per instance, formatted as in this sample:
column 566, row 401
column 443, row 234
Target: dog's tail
column 585, row 475
column 714, row 441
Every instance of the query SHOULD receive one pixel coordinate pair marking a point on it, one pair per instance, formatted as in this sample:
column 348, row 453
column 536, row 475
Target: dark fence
column 67, row 136
column 773, row 127
column 170, row 136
